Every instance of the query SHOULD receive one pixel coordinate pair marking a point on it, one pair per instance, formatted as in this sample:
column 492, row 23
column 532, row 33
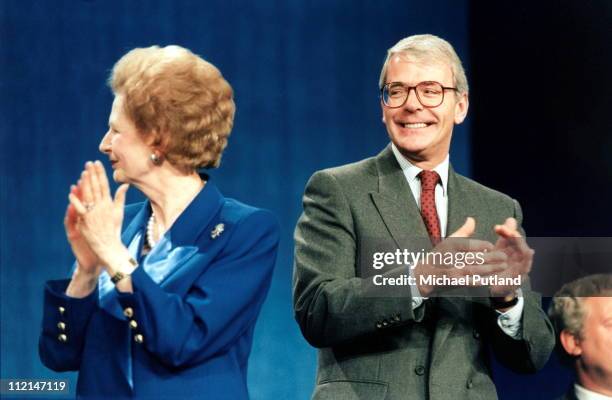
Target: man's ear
column 461, row 108
column 382, row 109
column 570, row 343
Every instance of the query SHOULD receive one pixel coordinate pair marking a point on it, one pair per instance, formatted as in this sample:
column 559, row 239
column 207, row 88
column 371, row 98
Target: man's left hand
column 520, row 257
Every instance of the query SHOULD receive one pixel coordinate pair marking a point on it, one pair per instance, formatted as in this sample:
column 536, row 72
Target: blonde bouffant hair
column 179, row 103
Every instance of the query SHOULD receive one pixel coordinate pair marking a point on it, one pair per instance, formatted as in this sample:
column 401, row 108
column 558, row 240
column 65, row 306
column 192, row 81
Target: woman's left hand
column 100, row 217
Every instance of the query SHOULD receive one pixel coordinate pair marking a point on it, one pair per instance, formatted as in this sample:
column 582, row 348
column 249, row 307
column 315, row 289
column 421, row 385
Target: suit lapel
column 400, row 213
column 196, row 220
column 136, row 224
column 460, row 203
column 463, row 203
column 395, row 202
column 398, row 208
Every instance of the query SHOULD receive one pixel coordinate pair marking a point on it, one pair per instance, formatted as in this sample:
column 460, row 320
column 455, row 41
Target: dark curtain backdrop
column 547, row 136
column 305, row 77
column 541, row 127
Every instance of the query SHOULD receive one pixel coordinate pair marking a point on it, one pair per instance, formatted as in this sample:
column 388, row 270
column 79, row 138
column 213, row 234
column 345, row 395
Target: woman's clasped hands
column 93, row 221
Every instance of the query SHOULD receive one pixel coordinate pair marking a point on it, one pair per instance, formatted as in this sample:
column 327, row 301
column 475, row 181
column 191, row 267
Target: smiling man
column 420, row 126
column 416, row 345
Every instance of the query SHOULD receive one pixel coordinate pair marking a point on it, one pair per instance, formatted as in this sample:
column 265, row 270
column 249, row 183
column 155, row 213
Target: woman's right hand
column 88, row 266
column 86, row 258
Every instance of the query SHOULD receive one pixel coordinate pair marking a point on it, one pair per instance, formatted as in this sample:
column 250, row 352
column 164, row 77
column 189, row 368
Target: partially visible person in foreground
column 582, row 314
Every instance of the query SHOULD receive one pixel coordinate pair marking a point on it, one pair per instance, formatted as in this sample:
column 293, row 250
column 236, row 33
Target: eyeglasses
column 429, row 93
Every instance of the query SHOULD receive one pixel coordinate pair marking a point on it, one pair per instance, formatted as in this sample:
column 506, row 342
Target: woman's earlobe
column 156, row 158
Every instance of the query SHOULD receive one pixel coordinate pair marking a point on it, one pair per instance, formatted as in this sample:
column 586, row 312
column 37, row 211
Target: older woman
column 164, row 296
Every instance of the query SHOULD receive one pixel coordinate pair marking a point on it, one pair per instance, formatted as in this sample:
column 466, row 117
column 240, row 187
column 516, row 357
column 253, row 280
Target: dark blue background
column 305, row 78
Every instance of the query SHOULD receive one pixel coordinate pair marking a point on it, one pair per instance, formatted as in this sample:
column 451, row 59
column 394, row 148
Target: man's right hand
column 494, row 260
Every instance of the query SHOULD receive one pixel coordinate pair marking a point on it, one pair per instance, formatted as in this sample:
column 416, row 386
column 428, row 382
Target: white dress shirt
column 510, row 321
column 583, row 393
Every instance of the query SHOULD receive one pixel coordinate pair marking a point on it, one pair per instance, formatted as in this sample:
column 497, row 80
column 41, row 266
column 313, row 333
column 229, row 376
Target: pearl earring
column 155, row 159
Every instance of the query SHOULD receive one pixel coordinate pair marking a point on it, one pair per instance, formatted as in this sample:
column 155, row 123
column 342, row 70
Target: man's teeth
column 415, row 126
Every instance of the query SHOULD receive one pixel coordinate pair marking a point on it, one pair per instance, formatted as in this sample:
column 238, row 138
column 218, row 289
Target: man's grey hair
column 428, row 48
column 567, row 309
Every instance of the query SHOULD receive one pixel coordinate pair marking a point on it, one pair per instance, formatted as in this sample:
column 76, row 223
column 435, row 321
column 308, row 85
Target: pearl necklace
column 151, row 231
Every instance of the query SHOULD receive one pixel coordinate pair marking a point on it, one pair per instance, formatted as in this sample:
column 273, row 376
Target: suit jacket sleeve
column 66, row 355
column 330, row 299
column 74, row 314
column 221, row 305
column 538, row 339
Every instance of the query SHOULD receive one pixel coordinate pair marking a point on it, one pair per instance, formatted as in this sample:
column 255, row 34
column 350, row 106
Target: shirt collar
column 411, row 171
column 583, row 393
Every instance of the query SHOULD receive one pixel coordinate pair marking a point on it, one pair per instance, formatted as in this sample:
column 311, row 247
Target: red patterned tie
column 429, row 179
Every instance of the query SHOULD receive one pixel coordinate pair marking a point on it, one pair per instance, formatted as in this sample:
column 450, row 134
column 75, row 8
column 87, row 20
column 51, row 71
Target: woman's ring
column 89, row 206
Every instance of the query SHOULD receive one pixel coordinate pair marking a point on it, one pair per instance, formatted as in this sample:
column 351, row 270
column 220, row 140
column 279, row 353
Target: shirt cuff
column 417, row 299
column 510, row 322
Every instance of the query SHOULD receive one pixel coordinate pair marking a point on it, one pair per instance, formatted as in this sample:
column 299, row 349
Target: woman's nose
column 104, row 146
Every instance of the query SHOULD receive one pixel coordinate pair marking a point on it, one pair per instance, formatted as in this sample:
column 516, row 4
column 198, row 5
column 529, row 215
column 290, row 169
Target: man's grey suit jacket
column 379, row 348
